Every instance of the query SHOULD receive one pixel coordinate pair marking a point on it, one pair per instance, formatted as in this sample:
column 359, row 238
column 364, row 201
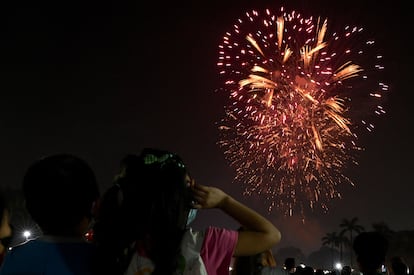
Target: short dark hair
column 371, row 249
column 59, row 191
column 290, row 263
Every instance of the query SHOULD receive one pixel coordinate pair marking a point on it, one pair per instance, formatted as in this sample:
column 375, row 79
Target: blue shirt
column 50, row 256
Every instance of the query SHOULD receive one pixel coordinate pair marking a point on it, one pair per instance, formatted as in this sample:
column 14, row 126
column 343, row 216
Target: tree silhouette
column 332, row 240
column 351, row 226
column 342, row 241
column 384, row 229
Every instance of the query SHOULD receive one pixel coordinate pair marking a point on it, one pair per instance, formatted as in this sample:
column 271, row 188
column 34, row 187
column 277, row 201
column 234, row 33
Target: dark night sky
column 104, row 79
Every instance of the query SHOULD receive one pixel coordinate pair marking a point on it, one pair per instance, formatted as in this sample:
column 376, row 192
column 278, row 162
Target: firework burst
column 297, row 96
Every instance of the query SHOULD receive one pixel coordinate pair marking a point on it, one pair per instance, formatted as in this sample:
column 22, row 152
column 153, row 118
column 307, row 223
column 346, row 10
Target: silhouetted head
column 160, row 180
column 346, row 270
column 59, row 192
column 248, row 265
column 398, row 266
column 370, row 249
column 290, row 264
column 150, row 202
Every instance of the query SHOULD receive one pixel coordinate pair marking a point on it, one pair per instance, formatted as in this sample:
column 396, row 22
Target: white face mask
column 191, row 215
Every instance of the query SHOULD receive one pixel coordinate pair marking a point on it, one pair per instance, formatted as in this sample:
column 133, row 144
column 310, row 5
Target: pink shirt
column 209, row 252
column 218, row 249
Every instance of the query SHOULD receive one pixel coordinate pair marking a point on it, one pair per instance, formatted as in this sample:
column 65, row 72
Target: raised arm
column 259, row 234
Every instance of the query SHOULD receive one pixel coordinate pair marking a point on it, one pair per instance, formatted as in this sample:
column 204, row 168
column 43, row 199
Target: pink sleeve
column 218, row 249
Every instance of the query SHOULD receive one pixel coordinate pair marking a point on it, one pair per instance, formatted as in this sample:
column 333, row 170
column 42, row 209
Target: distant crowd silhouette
column 142, row 225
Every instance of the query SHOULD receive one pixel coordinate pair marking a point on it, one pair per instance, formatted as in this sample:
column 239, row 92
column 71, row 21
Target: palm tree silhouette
column 332, row 240
column 342, row 241
column 351, row 226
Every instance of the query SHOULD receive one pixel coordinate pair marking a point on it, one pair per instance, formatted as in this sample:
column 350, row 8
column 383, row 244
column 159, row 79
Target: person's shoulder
column 220, row 235
column 30, row 253
column 38, row 248
column 59, row 257
column 219, row 230
column 25, row 247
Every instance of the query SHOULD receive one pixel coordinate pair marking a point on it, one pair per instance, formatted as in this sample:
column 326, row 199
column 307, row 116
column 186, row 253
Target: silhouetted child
column 59, row 191
column 144, row 223
column 371, row 249
column 290, row 265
